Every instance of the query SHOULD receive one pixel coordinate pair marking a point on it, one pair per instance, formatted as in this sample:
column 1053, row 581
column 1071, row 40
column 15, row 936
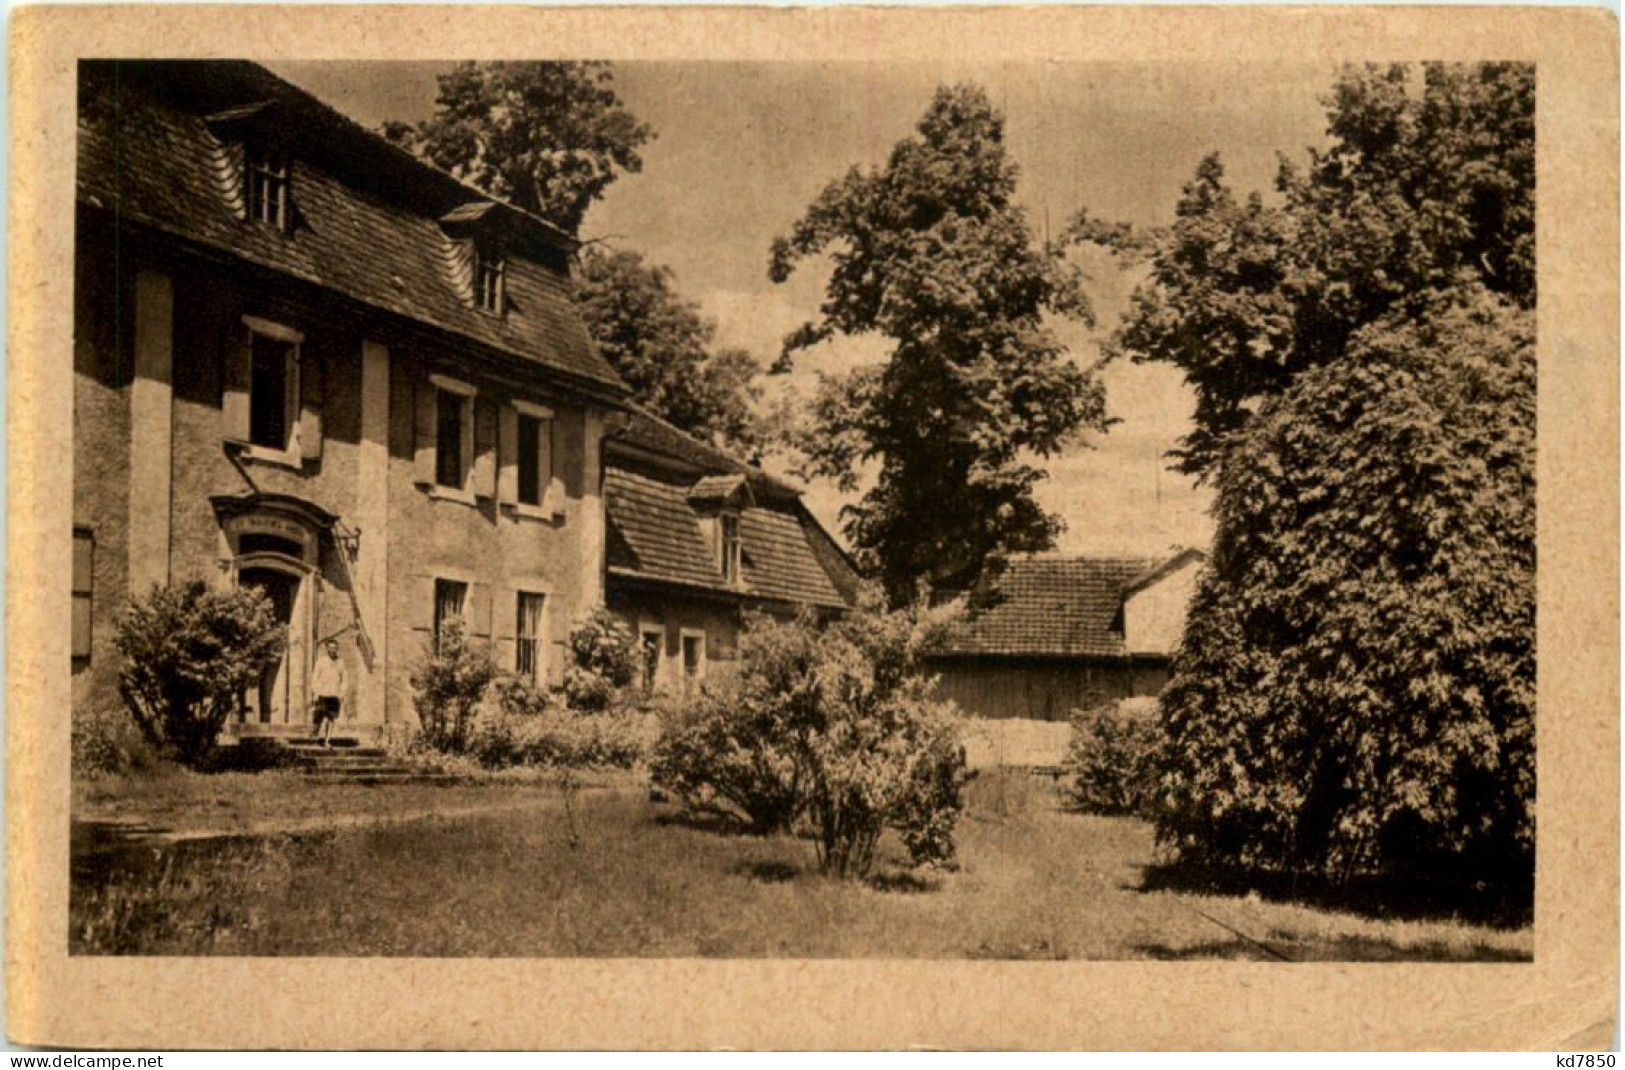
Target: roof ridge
column 552, row 229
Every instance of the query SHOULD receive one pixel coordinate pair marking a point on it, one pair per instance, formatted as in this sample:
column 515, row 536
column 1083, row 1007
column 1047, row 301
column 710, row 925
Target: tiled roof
column 148, row 155
column 645, row 431
column 1049, row 606
column 655, row 535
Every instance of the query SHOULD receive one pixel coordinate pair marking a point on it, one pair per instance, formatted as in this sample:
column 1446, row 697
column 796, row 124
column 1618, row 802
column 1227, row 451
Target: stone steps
column 345, row 760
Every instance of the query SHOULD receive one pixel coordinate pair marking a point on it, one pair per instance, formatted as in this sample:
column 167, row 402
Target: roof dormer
column 478, row 236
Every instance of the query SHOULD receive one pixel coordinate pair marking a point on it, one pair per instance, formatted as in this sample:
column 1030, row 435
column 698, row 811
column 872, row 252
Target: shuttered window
column 451, row 410
column 528, row 637
column 272, row 388
column 84, row 560
column 450, row 599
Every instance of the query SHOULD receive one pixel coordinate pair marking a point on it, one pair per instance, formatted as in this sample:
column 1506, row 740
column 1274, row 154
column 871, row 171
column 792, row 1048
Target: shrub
column 187, row 655
column 1111, row 764
column 106, row 742
column 449, row 682
column 831, row 726
column 738, row 744
column 1355, row 692
column 603, row 661
column 561, row 739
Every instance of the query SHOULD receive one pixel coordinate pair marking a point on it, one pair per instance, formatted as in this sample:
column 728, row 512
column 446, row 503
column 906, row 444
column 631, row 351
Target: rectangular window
column 530, row 456
column 693, row 661
column 84, row 559
column 729, row 546
column 450, row 412
column 272, row 389
column 489, row 270
column 449, row 598
column 652, row 639
column 528, row 637
column 267, row 184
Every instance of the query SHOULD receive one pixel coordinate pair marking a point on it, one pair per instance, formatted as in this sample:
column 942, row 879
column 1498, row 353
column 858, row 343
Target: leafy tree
column 1354, row 693
column 662, row 346
column 930, row 252
column 188, row 654
column 1356, row 688
column 549, row 136
column 1423, row 187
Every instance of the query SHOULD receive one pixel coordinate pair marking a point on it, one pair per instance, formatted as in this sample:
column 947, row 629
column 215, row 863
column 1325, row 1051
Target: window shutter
column 485, row 447
column 506, row 613
column 424, row 422
column 557, row 657
column 477, row 610
column 310, row 407
column 553, row 496
column 508, row 455
column 234, row 393
column 421, row 612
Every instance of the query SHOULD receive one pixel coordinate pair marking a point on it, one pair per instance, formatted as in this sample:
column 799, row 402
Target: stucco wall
column 1154, row 616
column 495, row 550
column 101, row 459
column 416, row 536
column 672, row 614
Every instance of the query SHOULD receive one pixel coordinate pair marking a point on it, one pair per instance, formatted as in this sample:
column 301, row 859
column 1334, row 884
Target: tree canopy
column 1356, row 689
column 930, row 252
column 1354, row 694
column 664, row 348
column 548, row 136
column 1427, row 183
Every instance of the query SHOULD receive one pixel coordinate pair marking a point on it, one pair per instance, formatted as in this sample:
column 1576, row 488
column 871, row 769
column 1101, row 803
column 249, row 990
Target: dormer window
column 267, row 183
column 728, row 545
column 489, row 271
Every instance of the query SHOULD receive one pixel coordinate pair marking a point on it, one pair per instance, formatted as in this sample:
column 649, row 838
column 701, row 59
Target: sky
column 742, row 148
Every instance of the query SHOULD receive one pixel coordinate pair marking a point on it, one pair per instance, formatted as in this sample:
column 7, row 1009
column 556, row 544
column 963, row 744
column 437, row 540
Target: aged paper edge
column 1564, row 999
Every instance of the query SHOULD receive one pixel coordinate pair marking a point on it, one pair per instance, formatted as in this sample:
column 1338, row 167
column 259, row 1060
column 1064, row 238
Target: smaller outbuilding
column 1046, row 634
column 695, row 540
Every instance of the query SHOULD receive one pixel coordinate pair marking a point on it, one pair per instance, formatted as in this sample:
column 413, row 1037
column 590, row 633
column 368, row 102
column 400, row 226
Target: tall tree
column 930, row 252
column 663, row 347
column 548, row 136
column 1428, row 182
column 1354, row 693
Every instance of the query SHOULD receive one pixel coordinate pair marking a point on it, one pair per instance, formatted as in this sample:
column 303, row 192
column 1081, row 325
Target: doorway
column 272, row 699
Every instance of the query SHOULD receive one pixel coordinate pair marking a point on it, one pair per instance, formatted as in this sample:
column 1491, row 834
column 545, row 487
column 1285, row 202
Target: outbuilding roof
column 155, row 148
column 1045, row 605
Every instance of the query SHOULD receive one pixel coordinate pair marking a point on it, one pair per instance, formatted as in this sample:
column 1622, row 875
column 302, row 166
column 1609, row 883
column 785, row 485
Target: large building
column 308, row 363
column 1047, row 634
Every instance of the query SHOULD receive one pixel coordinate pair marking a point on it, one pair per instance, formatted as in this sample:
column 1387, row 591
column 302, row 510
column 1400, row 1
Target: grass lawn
column 621, row 875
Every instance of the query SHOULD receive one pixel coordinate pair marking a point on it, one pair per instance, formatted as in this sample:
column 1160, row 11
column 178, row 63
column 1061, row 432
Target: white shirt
column 328, row 679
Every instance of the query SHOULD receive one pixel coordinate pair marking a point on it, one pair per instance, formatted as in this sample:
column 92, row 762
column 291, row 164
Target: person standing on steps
column 327, row 687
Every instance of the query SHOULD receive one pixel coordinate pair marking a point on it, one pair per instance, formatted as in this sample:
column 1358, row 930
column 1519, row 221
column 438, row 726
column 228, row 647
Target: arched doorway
column 272, row 701
column 273, row 543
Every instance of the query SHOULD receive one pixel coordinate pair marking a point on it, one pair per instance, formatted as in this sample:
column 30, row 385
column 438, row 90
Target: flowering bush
column 603, row 661
column 449, row 683
column 559, row 738
column 1111, row 764
column 188, row 654
column 833, row 728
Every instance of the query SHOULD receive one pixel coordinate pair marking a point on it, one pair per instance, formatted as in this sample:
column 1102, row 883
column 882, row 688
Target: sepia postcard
column 813, row 528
